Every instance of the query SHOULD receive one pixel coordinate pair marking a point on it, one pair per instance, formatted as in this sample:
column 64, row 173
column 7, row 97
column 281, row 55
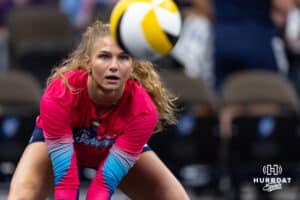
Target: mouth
column 112, row 78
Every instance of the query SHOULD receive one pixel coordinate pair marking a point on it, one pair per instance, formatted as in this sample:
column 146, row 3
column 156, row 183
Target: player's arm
column 122, row 157
column 58, row 135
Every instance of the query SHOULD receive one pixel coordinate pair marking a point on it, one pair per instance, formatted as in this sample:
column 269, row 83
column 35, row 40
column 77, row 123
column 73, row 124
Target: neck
column 101, row 97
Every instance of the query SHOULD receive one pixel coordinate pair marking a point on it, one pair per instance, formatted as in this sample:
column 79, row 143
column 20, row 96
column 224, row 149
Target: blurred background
column 235, row 69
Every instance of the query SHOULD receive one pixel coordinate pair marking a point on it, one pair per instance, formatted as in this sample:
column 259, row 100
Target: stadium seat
column 259, row 109
column 191, row 147
column 19, row 103
column 39, row 38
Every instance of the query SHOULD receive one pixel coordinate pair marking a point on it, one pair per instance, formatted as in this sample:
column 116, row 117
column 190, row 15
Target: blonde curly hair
column 143, row 72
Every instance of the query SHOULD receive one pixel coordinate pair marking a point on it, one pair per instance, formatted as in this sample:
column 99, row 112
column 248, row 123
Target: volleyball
column 147, row 29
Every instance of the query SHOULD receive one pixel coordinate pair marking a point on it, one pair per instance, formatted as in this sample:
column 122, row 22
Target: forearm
column 110, row 173
column 122, row 157
column 65, row 171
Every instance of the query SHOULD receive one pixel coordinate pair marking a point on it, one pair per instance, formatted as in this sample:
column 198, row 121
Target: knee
column 175, row 193
column 22, row 191
column 166, row 195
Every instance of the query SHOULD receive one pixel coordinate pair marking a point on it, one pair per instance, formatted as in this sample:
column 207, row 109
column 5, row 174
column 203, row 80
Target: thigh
column 33, row 178
column 150, row 179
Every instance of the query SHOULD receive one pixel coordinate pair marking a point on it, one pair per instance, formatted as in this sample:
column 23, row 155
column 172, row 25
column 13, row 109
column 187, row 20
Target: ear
column 89, row 69
column 88, row 65
column 133, row 65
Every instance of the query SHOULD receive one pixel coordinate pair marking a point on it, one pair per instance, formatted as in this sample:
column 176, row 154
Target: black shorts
column 38, row 136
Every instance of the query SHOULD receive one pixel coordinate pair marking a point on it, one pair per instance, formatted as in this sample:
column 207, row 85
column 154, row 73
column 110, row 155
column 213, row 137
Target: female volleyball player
column 98, row 110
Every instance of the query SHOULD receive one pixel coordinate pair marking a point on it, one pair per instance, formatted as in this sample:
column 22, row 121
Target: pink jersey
column 75, row 134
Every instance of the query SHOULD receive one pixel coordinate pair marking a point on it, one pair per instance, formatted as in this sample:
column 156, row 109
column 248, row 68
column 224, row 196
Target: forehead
column 106, row 43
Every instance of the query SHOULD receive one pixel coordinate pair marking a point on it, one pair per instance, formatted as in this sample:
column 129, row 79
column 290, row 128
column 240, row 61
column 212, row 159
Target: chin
column 111, row 87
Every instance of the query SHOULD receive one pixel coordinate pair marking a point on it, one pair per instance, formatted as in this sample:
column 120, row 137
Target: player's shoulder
column 58, row 89
column 139, row 100
column 76, row 78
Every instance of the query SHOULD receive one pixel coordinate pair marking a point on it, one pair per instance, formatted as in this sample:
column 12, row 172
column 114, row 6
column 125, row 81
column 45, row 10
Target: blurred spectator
column 5, row 5
column 292, row 31
column 194, row 47
column 80, row 12
column 279, row 12
column 247, row 36
column 292, row 38
column 3, row 49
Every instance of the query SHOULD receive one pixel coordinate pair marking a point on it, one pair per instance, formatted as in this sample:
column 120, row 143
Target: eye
column 124, row 57
column 104, row 56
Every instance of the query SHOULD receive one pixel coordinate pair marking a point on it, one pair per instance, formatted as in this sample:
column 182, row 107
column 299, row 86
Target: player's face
column 110, row 65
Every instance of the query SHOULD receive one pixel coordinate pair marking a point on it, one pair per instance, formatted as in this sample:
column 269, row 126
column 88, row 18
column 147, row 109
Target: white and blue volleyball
column 147, row 29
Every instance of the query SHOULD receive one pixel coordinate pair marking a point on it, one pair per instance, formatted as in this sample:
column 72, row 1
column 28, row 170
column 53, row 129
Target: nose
column 114, row 66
